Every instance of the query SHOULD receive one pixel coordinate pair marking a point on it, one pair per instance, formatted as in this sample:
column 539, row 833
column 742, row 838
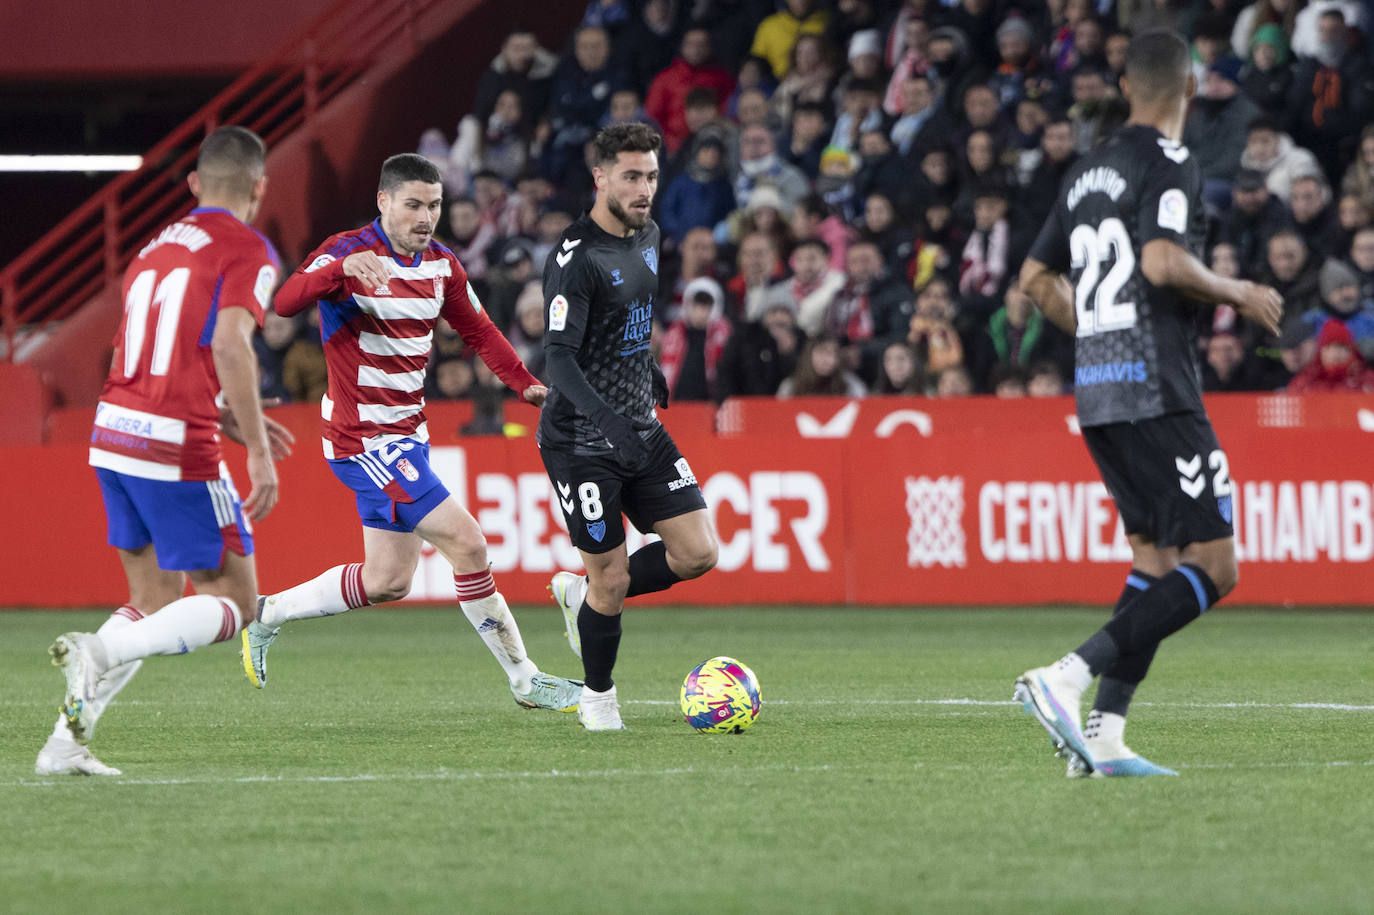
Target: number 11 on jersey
column 142, row 297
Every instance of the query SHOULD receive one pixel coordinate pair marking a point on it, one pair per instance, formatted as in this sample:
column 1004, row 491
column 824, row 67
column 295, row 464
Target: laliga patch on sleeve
column 262, row 289
column 1173, row 211
column 319, row 262
column 558, row 313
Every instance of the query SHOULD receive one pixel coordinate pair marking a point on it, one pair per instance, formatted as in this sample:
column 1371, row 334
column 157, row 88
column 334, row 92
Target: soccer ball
column 721, row 696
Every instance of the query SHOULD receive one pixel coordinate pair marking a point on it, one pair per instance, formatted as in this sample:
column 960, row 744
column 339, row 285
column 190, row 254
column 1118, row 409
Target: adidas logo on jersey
column 381, row 290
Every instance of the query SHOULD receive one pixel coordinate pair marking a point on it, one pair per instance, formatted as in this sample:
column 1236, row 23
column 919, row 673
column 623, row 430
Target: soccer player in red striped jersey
column 192, row 299
column 380, row 289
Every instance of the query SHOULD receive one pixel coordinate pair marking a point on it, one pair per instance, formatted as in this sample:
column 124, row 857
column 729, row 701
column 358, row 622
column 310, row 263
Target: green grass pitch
column 386, row 769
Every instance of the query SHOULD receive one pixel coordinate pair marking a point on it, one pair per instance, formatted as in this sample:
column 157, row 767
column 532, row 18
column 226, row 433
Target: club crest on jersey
column 597, row 529
column 615, row 278
column 651, row 259
column 408, row 470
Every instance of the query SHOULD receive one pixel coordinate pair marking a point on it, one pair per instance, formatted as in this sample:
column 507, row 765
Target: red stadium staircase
column 359, row 83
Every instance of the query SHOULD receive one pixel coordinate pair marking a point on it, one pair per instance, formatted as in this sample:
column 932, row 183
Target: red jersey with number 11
column 157, row 416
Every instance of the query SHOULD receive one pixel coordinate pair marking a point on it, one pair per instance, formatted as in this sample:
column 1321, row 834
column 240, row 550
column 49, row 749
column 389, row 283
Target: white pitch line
column 444, row 775
column 1319, row 706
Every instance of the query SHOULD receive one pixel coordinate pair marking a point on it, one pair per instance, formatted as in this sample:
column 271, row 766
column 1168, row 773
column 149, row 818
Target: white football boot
column 599, row 711
column 66, row 757
column 74, row 653
column 1053, row 694
column 569, row 589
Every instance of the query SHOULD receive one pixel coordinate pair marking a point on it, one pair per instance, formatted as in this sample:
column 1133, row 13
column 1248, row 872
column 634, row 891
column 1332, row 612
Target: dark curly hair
column 619, row 138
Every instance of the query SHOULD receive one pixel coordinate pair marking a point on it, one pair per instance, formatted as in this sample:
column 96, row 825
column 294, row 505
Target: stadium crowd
column 849, row 187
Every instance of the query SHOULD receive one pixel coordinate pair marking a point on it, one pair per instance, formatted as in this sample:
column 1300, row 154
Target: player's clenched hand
column 1261, row 304
column 535, row 394
column 263, row 475
column 368, row 267
column 630, row 450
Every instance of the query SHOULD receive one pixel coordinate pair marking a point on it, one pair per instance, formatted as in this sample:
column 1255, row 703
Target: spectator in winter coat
column 692, row 345
column 1359, row 177
column 1290, row 270
column 820, row 370
column 775, row 36
column 1217, row 127
column 647, row 45
column 1338, row 366
column 523, row 66
column 693, row 68
column 760, row 354
column 1271, row 152
column 699, row 197
column 1332, row 98
column 811, row 287
column 1362, row 260
column 1340, row 293
column 1017, row 334
column 759, row 163
column 1313, row 216
column 1255, row 215
column 1267, row 78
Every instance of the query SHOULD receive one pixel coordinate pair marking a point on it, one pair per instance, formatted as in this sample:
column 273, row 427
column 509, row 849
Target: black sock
column 600, row 636
column 1122, row 676
column 649, row 571
column 1170, row 604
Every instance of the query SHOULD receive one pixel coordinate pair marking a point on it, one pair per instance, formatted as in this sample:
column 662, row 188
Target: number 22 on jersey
column 1095, row 296
column 145, row 292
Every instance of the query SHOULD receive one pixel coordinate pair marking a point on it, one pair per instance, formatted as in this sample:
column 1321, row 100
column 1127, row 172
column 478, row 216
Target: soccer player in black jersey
column 1117, row 265
column 599, row 436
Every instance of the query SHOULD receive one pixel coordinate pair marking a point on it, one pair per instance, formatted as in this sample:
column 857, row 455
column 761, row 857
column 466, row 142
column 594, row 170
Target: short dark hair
column 817, row 243
column 1265, row 122
column 230, row 160
column 618, row 138
column 701, row 97
column 1158, row 63
column 404, row 167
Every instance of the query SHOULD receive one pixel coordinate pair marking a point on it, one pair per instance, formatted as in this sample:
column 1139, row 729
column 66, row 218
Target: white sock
column 112, row 681
column 1075, row 670
column 181, row 626
column 338, row 590
column 496, row 625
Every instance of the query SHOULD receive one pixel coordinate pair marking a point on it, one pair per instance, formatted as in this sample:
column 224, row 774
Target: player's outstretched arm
column 1165, row 263
column 1051, row 293
column 236, row 365
column 479, row 332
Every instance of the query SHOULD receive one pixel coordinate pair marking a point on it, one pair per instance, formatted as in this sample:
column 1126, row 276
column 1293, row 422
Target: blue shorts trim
column 189, row 523
column 394, row 486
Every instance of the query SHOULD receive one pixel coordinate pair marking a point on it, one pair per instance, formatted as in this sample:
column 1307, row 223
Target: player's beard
column 627, row 219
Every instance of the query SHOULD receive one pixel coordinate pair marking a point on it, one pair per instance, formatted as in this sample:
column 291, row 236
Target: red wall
column 902, row 502
column 127, row 38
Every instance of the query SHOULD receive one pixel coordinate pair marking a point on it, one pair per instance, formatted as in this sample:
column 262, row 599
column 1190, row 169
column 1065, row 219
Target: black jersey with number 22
column 599, row 294
column 1136, row 351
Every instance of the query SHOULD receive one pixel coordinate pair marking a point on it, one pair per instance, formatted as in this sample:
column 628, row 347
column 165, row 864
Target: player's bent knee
column 612, row 584
column 700, row 560
column 386, row 588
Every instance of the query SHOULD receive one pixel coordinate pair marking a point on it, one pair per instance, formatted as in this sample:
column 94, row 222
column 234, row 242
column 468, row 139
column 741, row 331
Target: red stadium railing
column 86, row 252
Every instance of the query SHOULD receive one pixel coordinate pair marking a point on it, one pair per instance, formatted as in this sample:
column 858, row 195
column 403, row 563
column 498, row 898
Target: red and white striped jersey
column 157, row 416
column 377, row 340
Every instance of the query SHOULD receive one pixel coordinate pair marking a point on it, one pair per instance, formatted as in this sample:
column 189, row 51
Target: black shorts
column 594, row 490
column 1169, row 477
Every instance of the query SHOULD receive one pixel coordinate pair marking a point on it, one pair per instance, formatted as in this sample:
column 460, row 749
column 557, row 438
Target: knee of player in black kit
column 697, row 560
column 606, row 589
column 1218, row 559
